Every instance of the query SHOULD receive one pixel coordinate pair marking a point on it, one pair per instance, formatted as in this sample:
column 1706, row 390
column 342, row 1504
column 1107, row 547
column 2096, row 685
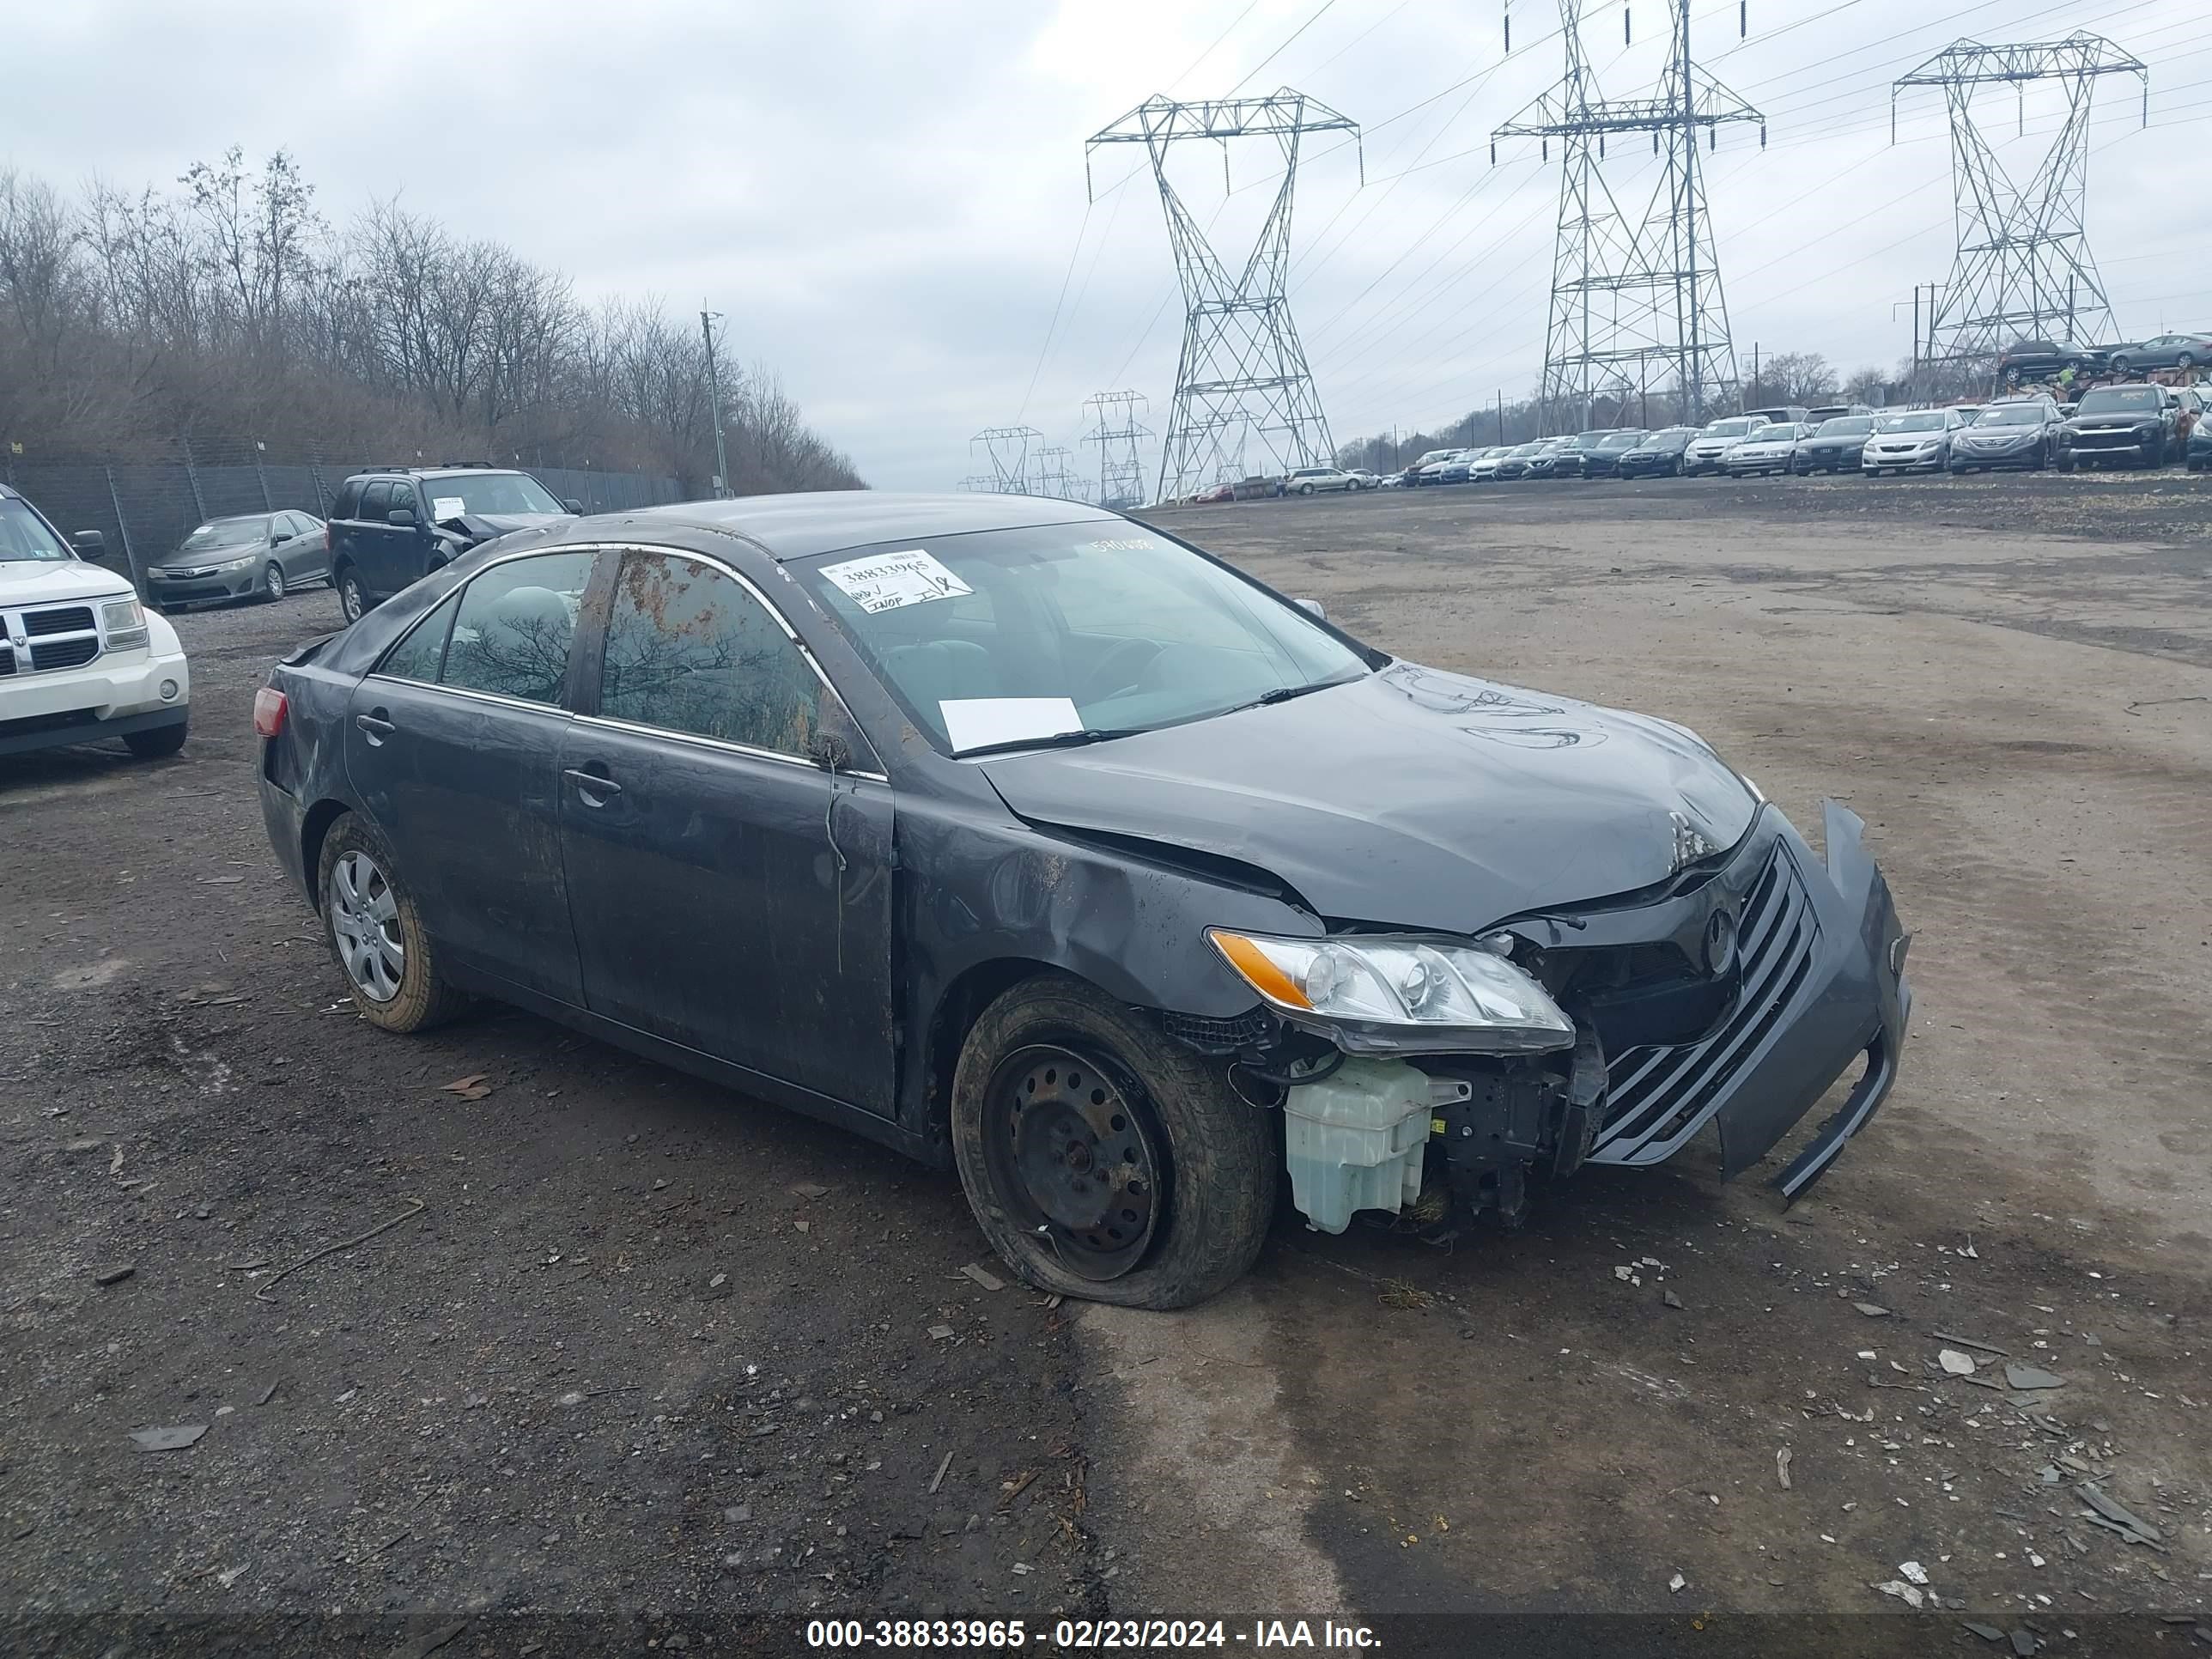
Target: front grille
column 1653, row 1092
column 64, row 653
column 7, row 659
column 60, row 619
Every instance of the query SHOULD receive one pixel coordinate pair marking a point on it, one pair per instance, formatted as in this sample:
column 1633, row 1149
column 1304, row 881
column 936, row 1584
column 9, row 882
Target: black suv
column 2131, row 425
column 391, row 526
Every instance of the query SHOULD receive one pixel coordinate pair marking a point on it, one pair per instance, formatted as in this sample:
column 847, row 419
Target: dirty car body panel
column 822, row 926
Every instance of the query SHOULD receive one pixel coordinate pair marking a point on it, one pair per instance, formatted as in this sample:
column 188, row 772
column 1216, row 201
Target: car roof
column 448, row 472
column 797, row 527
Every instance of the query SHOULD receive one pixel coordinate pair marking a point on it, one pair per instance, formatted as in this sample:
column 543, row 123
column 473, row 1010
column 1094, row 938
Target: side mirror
column 280, row 538
column 402, row 517
column 573, row 506
column 829, row 751
column 90, row 545
column 1313, row 606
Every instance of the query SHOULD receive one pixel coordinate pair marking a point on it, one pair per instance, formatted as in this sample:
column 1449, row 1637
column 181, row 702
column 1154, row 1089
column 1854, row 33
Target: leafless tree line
column 228, row 308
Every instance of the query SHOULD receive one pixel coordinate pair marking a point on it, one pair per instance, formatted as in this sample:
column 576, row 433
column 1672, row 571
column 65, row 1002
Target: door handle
column 591, row 784
column 374, row 727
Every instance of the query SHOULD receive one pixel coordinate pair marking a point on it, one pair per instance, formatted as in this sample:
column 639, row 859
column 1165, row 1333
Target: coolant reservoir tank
column 1352, row 1141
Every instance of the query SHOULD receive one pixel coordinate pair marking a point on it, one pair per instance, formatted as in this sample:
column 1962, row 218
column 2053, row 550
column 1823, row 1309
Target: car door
column 454, row 746
column 727, row 893
column 290, row 547
column 375, row 541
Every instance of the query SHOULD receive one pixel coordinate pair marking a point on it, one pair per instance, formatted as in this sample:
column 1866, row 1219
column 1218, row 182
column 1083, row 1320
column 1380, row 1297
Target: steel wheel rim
column 365, row 922
column 1073, row 1156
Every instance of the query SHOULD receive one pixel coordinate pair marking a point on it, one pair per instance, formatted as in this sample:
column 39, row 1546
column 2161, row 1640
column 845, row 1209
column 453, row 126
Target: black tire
column 156, row 745
column 352, row 602
column 272, row 583
column 2066, row 462
column 1305, row 489
column 1217, row 1157
column 423, row 997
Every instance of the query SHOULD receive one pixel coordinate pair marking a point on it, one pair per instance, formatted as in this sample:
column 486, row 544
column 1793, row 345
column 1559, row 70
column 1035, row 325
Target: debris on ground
column 416, row 1208
column 472, row 1087
column 114, row 1275
column 989, row 1280
column 1912, row 1572
column 811, row 1190
column 2031, row 1376
column 938, row 1479
column 2115, row 1517
column 1969, row 1342
column 1782, row 1466
column 1676, row 1583
column 1957, row 1364
column 1911, row 1594
column 1670, row 1298
column 1872, row 1310
column 175, row 1437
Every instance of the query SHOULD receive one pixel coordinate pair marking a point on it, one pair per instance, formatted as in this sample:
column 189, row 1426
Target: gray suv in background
column 390, row 527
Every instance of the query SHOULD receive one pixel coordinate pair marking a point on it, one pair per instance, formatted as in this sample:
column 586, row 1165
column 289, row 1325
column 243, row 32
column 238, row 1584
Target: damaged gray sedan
column 1031, row 840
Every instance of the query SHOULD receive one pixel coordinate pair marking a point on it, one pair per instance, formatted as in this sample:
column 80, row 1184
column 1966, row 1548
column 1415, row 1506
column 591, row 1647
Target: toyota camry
column 1035, row 842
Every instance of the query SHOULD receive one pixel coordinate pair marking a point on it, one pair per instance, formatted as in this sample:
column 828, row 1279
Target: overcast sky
column 887, row 200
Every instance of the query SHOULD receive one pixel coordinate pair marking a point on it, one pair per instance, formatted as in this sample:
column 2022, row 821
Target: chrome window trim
column 638, row 729
column 553, row 709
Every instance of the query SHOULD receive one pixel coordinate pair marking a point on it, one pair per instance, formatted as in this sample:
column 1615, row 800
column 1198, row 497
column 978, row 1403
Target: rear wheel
column 377, row 935
column 1305, row 489
column 1104, row 1160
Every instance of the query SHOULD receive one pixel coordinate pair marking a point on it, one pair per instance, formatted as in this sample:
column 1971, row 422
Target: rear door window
column 689, row 649
column 347, row 504
column 376, row 501
column 515, row 625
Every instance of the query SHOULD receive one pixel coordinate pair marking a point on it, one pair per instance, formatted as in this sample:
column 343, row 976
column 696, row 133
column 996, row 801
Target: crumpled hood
column 1413, row 797
column 486, row 526
column 49, row 581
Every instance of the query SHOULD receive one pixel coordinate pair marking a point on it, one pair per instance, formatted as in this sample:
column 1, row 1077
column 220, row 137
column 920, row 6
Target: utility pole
column 1116, row 431
column 707, row 321
column 1242, row 369
column 1007, row 449
column 1632, row 294
column 1755, row 398
column 1501, row 415
column 2023, row 269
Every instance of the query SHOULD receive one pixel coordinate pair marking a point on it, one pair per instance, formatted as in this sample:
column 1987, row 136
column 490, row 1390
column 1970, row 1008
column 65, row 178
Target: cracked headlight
column 1384, row 996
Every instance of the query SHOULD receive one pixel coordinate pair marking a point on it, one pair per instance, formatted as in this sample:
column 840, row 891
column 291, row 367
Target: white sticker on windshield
column 972, row 722
column 447, row 507
column 889, row 582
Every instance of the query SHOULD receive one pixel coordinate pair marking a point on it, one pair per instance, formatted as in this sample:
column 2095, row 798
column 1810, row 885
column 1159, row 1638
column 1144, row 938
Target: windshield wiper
column 1057, row 740
column 1283, row 694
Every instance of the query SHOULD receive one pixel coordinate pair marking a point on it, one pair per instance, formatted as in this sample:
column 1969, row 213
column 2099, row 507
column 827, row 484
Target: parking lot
column 638, row 1353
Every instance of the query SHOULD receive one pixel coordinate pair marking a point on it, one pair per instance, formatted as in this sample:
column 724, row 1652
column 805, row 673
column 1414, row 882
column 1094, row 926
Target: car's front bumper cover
column 1822, row 987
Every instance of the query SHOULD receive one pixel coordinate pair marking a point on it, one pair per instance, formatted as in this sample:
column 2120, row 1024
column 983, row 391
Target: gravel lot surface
column 641, row 1363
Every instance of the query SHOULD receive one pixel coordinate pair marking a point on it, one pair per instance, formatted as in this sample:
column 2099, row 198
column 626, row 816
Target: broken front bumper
column 1823, row 987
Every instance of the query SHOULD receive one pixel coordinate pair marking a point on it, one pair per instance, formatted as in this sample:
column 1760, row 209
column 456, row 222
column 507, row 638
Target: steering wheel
column 1117, row 671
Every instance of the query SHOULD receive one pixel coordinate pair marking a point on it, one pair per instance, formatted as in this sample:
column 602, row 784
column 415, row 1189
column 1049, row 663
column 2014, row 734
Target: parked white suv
column 80, row 658
column 1307, row 479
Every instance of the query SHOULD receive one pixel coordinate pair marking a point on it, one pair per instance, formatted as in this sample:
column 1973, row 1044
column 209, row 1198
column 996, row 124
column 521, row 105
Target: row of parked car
column 2128, row 424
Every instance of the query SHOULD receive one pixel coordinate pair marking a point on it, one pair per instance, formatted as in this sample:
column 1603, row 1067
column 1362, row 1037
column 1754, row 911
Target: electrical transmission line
column 1053, row 477
column 1007, row 450
column 1242, row 372
column 2023, row 269
column 1115, row 430
column 1636, row 299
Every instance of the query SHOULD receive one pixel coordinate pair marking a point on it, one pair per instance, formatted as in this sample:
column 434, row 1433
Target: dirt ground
column 653, row 1366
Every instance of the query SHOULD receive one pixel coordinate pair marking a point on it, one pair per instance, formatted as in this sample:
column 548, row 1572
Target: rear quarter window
column 347, row 504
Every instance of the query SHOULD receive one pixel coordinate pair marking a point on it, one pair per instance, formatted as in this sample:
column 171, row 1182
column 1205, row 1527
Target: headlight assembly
column 1385, row 996
column 124, row 624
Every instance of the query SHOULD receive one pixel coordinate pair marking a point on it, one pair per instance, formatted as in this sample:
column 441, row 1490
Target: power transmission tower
column 1053, row 477
column 1115, row 430
column 1243, row 370
column 976, row 484
column 1007, row 450
column 2023, row 269
column 1635, row 298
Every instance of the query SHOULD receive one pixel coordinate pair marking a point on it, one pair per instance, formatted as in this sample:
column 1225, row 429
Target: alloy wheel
column 1072, row 1153
column 273, row 580
column 365, row 921
column 350, row 597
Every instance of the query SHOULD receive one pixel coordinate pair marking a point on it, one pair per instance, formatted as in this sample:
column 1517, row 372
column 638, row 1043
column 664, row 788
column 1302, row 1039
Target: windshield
column 227, row 532
column 1846, row 426
column 486, row 493
column 2012, row 415
column 1927, row 421
column 24, row 535
column 1622, row 441
column 1733, row 429
column 2106, row 398
column 1011, row 635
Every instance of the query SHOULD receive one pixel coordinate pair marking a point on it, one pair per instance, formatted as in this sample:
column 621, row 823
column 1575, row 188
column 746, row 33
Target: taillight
column 269, row 707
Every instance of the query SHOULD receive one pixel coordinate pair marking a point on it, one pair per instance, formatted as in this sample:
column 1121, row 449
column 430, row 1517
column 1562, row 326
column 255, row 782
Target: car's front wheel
column 377, row 933
column 1102, row 1160
column 272, row 581
column 351, row 600
column 162, row 740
